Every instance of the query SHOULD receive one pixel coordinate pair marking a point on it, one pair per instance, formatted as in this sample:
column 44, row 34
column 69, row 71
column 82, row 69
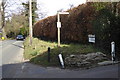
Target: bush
column 75, row 27
column 106, row 28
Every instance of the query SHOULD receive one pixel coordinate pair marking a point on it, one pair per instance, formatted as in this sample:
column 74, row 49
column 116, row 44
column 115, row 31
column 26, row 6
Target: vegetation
column 75, row 26
column 38, row 54
column 17, row 25
column 101, row 19
column 3, row 6
column 34, row 8
column 106, row 25
column 6, row 12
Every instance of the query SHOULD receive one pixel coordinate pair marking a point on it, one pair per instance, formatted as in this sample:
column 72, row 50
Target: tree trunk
column 4, row 33
column 3, row 19
column 115, row 8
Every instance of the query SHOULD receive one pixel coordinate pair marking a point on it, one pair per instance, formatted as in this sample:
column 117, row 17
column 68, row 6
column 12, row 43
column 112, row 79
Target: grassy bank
column 37, row 53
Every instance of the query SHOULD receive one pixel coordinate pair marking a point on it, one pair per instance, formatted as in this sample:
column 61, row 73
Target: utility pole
column 30, row 22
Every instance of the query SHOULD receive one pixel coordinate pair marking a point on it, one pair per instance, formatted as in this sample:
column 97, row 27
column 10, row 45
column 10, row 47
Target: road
column 0, row 59
column 12, row 53
column 13, row 66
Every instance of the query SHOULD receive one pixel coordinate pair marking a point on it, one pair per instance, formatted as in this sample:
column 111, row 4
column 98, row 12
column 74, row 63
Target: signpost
column 91, row 38
column 59, row 25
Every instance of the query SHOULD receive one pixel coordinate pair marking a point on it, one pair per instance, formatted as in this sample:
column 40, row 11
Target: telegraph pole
column 30, row 22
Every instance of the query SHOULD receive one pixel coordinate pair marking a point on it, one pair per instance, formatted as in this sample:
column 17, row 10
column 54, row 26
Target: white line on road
column 23, row 66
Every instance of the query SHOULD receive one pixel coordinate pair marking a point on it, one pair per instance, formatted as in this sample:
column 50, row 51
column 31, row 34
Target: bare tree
column 41, row 13
column 115, row 8
column 71, row 6
column 60, row 10
column 2, row 11
column 6, row 12
column 0, row 17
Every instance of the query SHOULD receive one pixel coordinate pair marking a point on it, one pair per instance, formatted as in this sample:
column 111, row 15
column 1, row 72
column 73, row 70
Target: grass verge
column 37, row 52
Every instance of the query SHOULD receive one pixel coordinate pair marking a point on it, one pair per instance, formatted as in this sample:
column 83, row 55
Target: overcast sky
column 52, row 6
column 49, row 6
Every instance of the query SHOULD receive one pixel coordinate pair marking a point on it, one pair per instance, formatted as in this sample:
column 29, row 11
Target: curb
column 108, row 63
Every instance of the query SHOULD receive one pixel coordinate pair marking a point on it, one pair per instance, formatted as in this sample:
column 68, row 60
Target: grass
column 37, row 53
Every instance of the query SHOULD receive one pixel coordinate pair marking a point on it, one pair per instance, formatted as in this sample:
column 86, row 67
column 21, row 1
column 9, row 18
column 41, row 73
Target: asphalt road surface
column 13, row 66
column 12, row 53
column 0, row 59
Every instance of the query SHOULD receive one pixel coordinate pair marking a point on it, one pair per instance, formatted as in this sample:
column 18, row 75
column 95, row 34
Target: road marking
column 23, row 66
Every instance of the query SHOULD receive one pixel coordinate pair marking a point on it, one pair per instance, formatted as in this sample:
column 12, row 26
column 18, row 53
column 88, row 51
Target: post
column 58, row 37
column 113, row 51
column 61, row 60
column 58, row 17
column 58, row 26
column 30, row 22
column 48, row 54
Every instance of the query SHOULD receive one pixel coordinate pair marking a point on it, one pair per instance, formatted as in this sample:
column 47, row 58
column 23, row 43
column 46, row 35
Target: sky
column 52, row 6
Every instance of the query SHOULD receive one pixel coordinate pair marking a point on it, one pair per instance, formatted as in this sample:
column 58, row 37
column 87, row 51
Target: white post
column 58, row 17
column 59, row 25
column 61, row 60
column 113, row 51
column 30, row 22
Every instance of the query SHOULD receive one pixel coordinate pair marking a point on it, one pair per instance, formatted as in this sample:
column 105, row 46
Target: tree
column 2, row 11
column 115, row 8
column 106, row 26
column 34, row 9
column 16, row 25
column 0, row 22
column 0, row 16
column 71, row 6
column 6, row 12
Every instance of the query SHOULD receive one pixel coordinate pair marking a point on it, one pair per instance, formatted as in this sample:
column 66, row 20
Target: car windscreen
column 19, row 36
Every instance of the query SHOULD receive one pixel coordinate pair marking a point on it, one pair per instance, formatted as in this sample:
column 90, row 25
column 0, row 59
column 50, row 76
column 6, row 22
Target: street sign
column 91, row 38
column 63, row 12
column 58, row 24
